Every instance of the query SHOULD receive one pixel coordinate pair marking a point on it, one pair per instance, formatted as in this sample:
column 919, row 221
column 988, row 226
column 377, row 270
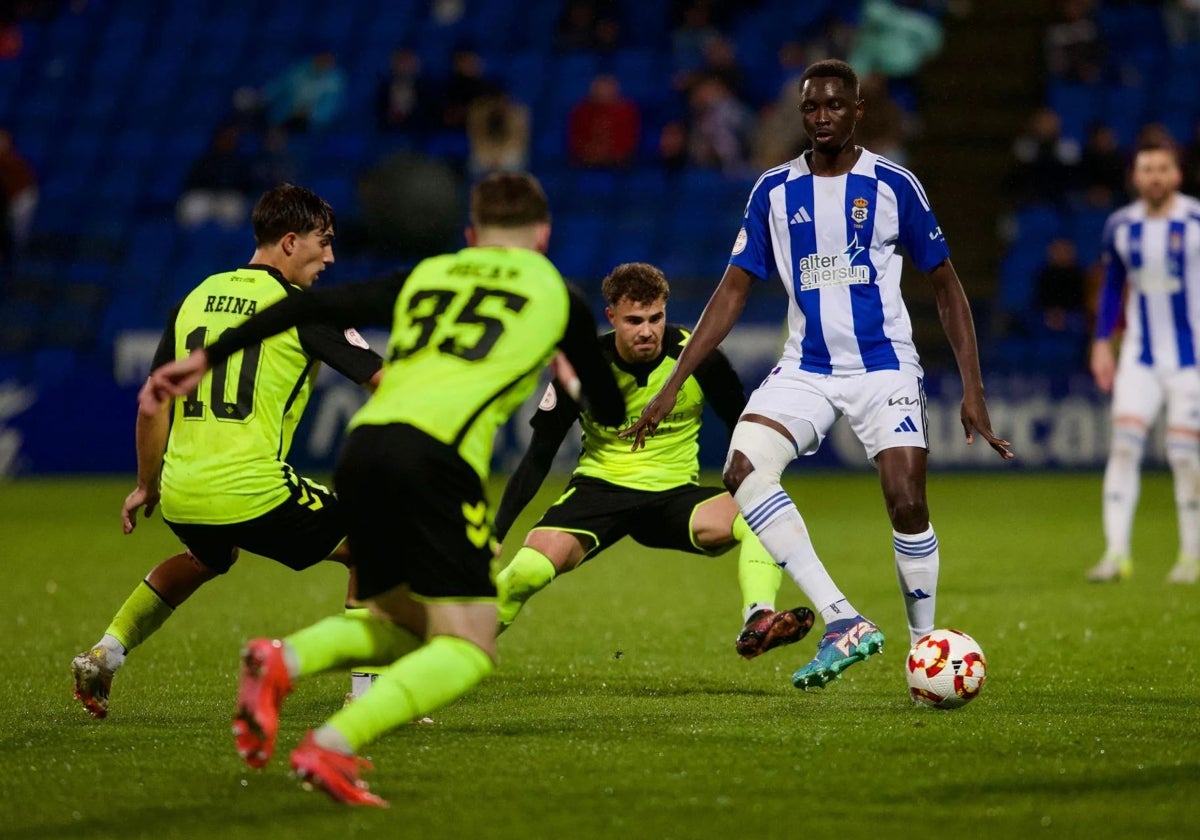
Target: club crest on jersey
column 859, row 213
column 354, row 338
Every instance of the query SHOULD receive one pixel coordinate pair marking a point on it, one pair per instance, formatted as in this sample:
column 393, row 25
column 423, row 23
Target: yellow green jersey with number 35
column 471, row 332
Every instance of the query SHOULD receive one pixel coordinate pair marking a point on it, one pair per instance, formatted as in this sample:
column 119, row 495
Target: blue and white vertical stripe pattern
column 761, row 514
column 1158, row 260
column 835, row 243
column 915, row 547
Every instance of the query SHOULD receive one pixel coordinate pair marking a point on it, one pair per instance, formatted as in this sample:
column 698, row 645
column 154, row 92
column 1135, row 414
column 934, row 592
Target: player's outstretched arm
column 955, row 313
column 174, row 379
column 720, row 314
column 151, row 441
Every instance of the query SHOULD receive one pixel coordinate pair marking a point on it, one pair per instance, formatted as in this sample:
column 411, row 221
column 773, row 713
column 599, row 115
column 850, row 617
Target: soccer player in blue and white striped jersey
column 831, row 224
column 1152, row 277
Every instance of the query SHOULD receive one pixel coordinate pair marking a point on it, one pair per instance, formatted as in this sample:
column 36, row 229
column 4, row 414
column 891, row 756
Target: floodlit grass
column 620, row 708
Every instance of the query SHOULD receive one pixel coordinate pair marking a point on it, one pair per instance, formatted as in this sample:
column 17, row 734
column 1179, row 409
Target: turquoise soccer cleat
column 844, row 643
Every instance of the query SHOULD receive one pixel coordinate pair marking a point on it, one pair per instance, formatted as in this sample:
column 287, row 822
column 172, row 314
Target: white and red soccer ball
column 945, row 669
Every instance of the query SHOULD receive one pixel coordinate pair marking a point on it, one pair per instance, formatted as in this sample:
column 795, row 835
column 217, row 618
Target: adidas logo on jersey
column 801, row 217
column 907, row 426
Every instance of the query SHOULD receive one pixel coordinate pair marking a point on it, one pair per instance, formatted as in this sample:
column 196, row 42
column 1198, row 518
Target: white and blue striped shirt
column 833, row 241
column 1159, row 259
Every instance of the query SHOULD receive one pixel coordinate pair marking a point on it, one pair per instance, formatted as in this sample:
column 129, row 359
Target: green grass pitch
column 620, row 708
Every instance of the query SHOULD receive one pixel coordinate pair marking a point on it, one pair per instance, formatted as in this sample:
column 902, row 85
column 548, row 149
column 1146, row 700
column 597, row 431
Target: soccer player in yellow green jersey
column 471, row 332
column 652, row 496
column 218, row 460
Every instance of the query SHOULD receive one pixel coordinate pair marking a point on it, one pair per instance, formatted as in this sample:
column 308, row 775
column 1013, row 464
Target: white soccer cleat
column 1186, row 570
column 1112, row 568
column 93, row 680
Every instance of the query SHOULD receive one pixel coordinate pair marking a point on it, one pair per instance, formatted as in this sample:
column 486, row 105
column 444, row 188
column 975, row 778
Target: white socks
column 917, row 562
column 1122, row 484
column 1183, row 454
column 773, row 517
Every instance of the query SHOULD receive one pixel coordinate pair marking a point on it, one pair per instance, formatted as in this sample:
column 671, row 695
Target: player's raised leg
column 150, row 604
column 718, row 522
column 547, row 553
column 456, row 658
column 757, row 456
column 271, row 666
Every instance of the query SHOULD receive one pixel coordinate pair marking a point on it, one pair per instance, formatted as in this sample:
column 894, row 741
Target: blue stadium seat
column 644, row 75
column 1124, row 110
column 340, row 191
column 575, row 246
column 572, row 74
column 1086, row 229
column 1035, row 227
column 645, row 24
column 524, row 74
column 1076, row 105
column 634, row 236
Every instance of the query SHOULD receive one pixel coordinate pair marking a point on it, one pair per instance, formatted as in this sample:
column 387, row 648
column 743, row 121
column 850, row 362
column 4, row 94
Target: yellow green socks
column 143, row 612
column 758, row 573
column 444, row 669
column 529, row 572
column 355, row 638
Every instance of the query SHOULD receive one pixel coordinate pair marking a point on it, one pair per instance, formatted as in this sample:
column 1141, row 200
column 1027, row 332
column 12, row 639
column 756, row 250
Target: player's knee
column 1183, row 451
column 1128, row 445
column 210, row 568
column 909, row 513
column 756, row 449
column 737, row 467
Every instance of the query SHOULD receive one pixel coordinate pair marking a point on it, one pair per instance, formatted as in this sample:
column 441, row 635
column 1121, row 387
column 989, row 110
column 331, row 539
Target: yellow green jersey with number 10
column 232, row 433
column 471, row 332
column 226, row 454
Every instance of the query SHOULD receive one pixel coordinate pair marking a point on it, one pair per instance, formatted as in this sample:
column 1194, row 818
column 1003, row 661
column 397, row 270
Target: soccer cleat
column 333, row 772
column 844, row 643
column 1185, row 570
column 766, row 630
column 93, row 681
column 264, row 682
column 1112, row 568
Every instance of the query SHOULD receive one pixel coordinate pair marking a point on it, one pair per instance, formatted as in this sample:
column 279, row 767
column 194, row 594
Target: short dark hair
column 640, row 282
column 1157, row 145
column 509, row 200
column 288, row 208
column 835, row 69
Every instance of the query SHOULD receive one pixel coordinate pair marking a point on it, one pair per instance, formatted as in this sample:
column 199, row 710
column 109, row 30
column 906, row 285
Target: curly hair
column 639, row 282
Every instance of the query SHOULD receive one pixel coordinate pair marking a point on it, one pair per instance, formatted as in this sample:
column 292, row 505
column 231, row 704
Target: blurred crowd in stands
column 633, row 114
column 1118, row 73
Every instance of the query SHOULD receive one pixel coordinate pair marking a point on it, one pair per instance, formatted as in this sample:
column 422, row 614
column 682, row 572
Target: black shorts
column 298, row 533
column 415, row 514
column 607, row 512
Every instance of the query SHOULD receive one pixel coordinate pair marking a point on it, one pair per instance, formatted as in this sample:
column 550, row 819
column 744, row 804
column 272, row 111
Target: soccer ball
column 945, row 669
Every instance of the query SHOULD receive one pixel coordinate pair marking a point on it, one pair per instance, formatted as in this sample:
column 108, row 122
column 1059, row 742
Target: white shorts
column 885, row 408
column 1139, row 392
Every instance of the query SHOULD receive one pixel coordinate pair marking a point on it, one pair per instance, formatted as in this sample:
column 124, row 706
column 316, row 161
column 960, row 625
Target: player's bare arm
column 955, row 313
column 720, row 314
column 1103, row 364
column 151, row 441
